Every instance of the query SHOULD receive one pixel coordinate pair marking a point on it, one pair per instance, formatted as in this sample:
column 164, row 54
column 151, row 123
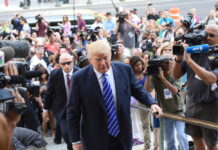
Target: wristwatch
column 177, row 61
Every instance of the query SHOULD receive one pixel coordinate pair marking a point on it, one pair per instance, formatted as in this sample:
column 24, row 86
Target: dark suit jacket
column 55, row 95
column 86, row 103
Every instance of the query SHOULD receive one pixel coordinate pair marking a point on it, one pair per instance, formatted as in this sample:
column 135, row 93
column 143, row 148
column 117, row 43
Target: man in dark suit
column 57, row 93
column 98, row 112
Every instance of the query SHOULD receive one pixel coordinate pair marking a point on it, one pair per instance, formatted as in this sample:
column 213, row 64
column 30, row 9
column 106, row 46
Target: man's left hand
column 187, row 56
column 155, row 109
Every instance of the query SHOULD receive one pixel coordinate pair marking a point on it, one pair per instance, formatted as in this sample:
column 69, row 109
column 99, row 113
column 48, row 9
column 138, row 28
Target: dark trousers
column 58, row 134
column 64, row 131
column 114, row 143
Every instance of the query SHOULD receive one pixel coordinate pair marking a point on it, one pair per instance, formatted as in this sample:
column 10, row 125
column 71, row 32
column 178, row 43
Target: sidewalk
column 63, row 146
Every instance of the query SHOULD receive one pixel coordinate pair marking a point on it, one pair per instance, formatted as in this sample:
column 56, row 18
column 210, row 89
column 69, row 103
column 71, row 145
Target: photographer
column 202, row 91
column 13, row 106
column 16, row 22
column 41, row 26
column 125, row 30
column 120, row 52
column 167, row 91
column 151, row 12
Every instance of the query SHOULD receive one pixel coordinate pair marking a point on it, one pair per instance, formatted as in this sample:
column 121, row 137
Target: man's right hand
column 77, row 146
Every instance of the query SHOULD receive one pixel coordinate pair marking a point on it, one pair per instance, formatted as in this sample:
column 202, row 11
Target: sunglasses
column 212, row 35
column 66, row 63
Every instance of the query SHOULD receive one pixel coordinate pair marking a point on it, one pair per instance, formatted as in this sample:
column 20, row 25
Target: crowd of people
column 90, row 78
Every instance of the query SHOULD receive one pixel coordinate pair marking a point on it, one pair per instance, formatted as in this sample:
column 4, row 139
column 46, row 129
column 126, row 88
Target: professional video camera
column 49, row 32
column 114, row 48
column 38, row 18
column 22, row 67
column 32, row 86
column 4, row 80
column 6, row 103
column 121, row 16
column 92, row 34
column 195, row 36
column 155, row 64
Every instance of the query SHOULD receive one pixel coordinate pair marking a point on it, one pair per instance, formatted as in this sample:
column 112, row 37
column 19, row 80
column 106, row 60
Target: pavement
column 63, row 146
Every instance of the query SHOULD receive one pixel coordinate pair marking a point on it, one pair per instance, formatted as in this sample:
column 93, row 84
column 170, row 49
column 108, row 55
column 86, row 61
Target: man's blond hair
column 99, row 47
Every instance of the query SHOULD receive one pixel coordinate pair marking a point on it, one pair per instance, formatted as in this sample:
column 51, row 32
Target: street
column 203, row 7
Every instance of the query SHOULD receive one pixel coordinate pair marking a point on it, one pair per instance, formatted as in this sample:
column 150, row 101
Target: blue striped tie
column 113, row 126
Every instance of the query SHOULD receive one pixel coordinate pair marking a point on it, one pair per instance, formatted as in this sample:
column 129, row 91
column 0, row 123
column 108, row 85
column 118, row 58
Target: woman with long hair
column 66, row 26
column 138, row 66
column 43, row 79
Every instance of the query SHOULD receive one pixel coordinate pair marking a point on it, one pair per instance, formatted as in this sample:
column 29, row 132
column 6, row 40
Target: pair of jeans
column 169, row 128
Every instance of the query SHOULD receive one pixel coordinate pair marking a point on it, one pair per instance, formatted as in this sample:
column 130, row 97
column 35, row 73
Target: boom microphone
column 9, row 52
column 21, row 47
column 201, row 48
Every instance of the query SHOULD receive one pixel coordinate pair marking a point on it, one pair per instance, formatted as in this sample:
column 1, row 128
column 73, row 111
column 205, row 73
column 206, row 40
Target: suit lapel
column 118, row 85
column 97, row 90
column 63, row 88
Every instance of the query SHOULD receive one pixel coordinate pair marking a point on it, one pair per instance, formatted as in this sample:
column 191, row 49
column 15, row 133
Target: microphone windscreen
column 21, row 47
column 9, row 52
column 32, row 74
column 197, row 49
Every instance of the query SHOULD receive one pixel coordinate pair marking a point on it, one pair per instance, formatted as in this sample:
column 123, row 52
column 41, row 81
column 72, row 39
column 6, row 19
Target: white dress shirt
column 110, row 79
column 65, row 81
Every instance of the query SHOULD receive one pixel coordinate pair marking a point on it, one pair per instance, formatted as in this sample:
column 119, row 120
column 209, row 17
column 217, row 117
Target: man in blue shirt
column 109, row 24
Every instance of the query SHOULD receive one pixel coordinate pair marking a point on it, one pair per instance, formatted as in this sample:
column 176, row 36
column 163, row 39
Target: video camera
column 92, row 34
column 155, row 64
column 195, row 36
column 32, row 87
column 121, row 16
column 6, row 103
column 38, row 18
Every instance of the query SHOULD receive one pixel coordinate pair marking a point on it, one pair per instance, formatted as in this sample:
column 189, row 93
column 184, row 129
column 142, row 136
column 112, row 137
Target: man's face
column 40, row 55
column 66, row 40
column 108, row 17
column 212, row 38
column 120, row 49
column 152, row 36
column 166, row 14
column 100, row 62
column 66, row 64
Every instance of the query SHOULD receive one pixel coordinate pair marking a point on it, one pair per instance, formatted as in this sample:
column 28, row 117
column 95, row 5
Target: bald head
column 66, row 62
column 65, row 56
column 213, row 27
column 212, row 32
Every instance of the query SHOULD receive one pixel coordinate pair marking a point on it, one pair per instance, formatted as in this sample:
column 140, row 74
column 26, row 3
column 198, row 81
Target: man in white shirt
column 38, row 59
column 56, row 96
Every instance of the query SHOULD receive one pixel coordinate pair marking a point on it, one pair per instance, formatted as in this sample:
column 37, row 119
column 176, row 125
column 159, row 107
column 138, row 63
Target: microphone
column 21, row 47
column 201, row 49
column 32, row 74
column 9, row 52
column 197, row 49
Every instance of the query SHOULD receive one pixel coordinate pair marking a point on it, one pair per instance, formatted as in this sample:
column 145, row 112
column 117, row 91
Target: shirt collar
column 99, row 75
column 70, row 73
